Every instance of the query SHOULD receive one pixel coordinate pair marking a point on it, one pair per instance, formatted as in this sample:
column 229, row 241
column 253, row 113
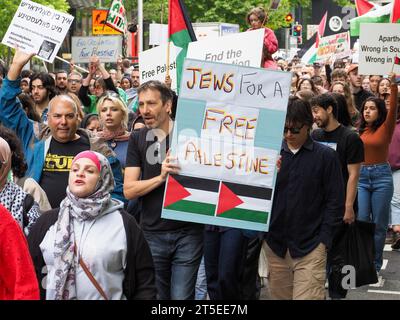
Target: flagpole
column 394, row 62
column 78, row 67
column 168, row 56
column 140, row 22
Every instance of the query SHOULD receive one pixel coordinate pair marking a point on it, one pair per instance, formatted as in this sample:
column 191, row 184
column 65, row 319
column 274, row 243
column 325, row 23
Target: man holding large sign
column 38, row 29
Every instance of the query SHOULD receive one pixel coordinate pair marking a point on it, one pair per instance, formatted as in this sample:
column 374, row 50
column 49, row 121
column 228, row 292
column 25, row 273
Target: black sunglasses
column 293, row 130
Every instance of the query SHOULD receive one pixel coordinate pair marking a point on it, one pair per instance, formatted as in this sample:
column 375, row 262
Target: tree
column 230, row 11
column 9, row 7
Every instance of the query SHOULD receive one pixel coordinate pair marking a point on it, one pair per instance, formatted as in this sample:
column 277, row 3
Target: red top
column 376, row 143
column 270, row 47
column 17, row 275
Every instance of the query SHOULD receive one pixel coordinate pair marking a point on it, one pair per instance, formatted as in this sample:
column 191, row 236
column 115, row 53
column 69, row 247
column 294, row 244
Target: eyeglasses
column 74, row 81
column 293, row 130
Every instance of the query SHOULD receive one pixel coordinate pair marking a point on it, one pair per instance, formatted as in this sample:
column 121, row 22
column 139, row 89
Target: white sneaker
column 380, row 282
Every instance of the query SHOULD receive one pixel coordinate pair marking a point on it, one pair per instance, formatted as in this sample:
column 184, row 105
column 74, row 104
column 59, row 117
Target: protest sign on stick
column 379, row 46
column 38, row 29
column 227, row 139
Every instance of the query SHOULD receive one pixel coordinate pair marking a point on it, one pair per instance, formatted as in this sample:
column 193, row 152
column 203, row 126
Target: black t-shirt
column 348, row 145
column 57, row 165
column 141, row 143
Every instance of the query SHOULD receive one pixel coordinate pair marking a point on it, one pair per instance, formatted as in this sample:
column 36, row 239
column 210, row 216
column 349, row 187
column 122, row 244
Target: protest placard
column 153, row 64
column 38, row 29
column 107, row 48
column 244, row 49
column 336, row 45
column 379, row 45
column 227, row 139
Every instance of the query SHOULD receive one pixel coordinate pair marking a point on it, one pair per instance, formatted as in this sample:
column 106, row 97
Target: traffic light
column 289, row 18
column 297, row 30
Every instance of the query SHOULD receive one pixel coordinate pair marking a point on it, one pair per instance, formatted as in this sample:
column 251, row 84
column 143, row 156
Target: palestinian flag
column 180, row 32
column 395, row 16
column 217, row 198
column 381, row 14
column 244, row 202
column 363, row 6
column 397, row 60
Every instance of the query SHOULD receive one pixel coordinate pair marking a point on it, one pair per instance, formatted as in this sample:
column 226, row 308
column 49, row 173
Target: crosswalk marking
column 384, row 292
column 384, row 264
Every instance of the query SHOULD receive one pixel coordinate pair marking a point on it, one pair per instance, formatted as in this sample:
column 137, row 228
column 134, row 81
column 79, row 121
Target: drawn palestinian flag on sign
column 217, row 198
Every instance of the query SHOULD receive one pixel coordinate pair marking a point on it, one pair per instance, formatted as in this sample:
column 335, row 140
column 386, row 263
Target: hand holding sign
column 169, row 166
column 20, row 59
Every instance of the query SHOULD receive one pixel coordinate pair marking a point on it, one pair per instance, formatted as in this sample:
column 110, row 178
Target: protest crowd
column 84, row 161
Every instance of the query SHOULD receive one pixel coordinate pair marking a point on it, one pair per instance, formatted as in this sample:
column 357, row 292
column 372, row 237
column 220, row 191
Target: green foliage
column 9, row 7
column 229, row 11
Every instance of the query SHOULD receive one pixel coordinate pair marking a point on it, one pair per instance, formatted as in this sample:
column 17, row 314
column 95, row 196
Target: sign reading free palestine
column 227, row 139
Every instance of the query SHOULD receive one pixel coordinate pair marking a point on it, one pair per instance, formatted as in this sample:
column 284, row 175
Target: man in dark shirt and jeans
column 176, row 247
column 308, row 203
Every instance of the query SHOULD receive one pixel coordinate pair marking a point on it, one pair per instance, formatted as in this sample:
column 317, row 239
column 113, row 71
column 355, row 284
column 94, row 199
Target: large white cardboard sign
column 379, row 45
column 107, row 48
column 38, row 29
column 153, row 64
column 243, row 49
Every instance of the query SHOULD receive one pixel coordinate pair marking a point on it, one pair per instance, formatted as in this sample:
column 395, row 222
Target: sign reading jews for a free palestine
column 227, row 139
column 38, row 29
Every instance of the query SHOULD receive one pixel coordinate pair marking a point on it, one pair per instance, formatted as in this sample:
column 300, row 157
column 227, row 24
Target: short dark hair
column 18, row 163
column 47, row 81
column 61, row 71
column 165, row 92
column 382, row 113
column 325, row 101
column 299, row 112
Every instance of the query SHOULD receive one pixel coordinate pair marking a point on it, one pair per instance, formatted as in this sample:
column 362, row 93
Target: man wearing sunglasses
column 308, row 202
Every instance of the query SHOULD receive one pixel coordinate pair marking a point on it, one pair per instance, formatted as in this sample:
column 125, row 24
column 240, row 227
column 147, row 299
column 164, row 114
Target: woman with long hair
column 90, row 247
column 256, row 18
column 344, row 89
column 375, row 187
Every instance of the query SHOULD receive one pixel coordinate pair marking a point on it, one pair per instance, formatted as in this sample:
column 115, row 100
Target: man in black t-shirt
column 350, row 149
column 345, row 141
column 176, row 247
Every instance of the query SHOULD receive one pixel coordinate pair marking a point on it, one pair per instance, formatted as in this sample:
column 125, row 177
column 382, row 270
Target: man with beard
column 350, row 149
column 132, row 92
column 360, row 95
column 345, row 142
column 42, row 89
column 61, row 81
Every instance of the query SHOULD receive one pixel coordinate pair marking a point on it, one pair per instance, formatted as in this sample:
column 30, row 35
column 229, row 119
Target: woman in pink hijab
column 256, row 18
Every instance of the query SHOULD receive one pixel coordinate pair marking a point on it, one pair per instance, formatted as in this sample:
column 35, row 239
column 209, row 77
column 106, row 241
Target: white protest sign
column 244, row 49
column 107, row 48
column 38, row 29
column 227, row 138
column 337, row 45
column 379, row 45
column 153, row 64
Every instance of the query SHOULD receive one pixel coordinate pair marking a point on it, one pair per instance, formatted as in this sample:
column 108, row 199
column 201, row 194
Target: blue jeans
column 176, row 255
column 225, row 257
column 375, row 190
column 201, row 282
